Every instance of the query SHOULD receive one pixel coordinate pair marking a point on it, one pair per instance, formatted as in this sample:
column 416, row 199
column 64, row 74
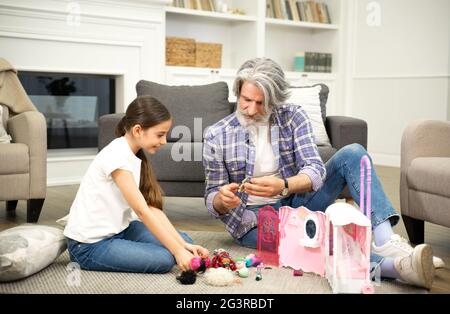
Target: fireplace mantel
column 123, row 38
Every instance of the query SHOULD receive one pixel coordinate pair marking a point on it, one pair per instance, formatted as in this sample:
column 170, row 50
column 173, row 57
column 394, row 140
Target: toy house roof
column 341, row 214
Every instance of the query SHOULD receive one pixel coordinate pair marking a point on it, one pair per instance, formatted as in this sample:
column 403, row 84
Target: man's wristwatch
column 285, row 190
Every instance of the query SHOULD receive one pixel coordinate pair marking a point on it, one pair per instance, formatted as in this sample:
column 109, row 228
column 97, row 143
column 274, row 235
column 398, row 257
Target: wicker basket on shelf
column 180, row 51
column 208, row 55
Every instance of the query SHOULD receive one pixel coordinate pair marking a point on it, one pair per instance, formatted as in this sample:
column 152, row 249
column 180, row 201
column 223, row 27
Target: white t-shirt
column 99, row 210
column 265, row 162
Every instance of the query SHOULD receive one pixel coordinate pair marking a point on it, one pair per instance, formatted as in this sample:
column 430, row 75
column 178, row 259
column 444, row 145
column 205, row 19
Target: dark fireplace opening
column 71, row 104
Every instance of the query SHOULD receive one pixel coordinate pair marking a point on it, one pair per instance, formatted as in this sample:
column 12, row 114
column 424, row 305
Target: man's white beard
column 246, row 121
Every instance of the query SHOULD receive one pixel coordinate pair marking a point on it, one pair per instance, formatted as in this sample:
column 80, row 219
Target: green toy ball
column 243, row 272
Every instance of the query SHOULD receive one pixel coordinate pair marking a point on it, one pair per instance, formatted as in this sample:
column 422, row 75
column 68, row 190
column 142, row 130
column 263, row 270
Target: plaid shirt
column 229, row 156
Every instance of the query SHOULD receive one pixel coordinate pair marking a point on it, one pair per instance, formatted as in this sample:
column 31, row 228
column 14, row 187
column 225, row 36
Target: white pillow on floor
column 27, row 249
column 309, row 99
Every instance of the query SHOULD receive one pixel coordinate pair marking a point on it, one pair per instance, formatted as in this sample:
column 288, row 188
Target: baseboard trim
column 64, row 181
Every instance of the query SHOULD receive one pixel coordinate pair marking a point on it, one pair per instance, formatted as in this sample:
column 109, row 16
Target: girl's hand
column 183, row 258
column 197, row 250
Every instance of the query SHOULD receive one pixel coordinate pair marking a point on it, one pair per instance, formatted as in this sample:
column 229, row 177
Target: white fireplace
column 123, row 39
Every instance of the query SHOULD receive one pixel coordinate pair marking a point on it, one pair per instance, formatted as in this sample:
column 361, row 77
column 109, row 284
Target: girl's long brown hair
column 147, row 112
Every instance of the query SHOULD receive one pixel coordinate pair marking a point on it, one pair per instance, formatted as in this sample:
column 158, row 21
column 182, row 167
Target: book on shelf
column 269, row 9
column 313, row 62
column 295, row 10
column 204, row 5
column 299, row 62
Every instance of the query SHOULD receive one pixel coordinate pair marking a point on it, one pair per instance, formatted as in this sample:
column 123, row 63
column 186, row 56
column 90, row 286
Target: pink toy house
column 347, row 249
column 268, row 235
column 302, row 239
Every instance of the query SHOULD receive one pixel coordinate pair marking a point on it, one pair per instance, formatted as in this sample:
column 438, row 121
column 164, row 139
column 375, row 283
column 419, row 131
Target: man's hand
column 264, row 186
column 227, row 199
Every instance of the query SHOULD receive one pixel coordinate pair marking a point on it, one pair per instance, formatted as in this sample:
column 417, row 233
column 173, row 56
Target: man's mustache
column 256, row 117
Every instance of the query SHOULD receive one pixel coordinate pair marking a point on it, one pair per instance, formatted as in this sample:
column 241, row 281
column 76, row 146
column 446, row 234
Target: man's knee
column 353, row 150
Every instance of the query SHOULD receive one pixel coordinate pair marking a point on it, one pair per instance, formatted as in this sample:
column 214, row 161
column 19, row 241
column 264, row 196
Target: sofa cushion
column 430, row 174
column 207, row 102
column 326, row 152
column 310, row 100
column 14, row 158
column 178, row 162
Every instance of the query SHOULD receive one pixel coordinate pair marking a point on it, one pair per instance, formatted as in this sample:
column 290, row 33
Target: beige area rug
column 55, row 278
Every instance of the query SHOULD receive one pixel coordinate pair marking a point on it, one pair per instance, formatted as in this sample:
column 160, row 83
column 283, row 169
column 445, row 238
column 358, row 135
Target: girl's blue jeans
column 135, row 249
column 343, row 169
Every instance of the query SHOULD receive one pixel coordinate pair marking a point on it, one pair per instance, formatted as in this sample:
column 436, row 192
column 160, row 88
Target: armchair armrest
column 107, row 128
column 425, row 138
column 30, row 129
column 346, row 130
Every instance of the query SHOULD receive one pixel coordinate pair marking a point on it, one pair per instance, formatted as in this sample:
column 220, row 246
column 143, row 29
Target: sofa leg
column 34, row 207
column 415, row 229
column 11, row 205
column 11, row 208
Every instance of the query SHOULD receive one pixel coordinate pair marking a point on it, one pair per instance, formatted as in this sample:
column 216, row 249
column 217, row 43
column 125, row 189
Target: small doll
column 222, row 258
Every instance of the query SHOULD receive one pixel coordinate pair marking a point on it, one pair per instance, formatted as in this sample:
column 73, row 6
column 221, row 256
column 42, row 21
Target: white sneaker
column 397, row 247
column 417, row 268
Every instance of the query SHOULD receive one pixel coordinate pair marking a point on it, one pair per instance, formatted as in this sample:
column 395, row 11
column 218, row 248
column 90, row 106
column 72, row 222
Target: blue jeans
column 135, row 249
column 343, row 169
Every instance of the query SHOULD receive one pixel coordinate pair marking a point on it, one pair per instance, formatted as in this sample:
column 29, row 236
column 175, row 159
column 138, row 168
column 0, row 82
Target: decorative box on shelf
column 208, row 55
column 180, row 51
column 188, row 52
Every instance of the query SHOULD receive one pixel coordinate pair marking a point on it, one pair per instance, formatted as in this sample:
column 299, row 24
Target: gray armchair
column 210, row 102
column 23, row 163
column 425, row 176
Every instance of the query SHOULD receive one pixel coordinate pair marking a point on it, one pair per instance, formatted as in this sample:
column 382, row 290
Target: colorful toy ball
column 240, row 263
column 199, row 264
column 219, row 277
column 187, row 277
column 243, row 272
column 196, row 262
column 252, row 260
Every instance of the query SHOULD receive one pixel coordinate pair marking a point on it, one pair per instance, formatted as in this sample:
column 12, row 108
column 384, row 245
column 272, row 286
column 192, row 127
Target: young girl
column 102, row 234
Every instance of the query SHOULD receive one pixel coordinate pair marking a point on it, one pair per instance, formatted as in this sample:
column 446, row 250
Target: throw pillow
column 27, row 249
column 207, row 102
column 4, row 137
column 309, row 98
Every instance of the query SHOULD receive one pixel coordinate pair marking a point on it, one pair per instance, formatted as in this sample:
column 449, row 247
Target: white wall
column 400, row 69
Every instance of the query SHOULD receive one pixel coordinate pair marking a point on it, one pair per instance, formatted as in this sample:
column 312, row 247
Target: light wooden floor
column 190, row 214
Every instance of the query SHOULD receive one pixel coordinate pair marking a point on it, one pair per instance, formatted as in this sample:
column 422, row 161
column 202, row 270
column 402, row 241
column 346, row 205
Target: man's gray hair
column 268, row 76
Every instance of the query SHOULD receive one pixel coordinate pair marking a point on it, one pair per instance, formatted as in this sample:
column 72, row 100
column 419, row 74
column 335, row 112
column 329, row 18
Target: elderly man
column 265, row 154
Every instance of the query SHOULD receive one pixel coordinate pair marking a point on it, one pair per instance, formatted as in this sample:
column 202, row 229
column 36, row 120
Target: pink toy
column 268, row 235
column 335, row 244
column 348, row 248
column 252, row 260
column 199, row 264
column 302, row 239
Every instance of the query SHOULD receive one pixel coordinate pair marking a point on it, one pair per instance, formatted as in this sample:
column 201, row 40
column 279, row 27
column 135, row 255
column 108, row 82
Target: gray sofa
column 210, row 103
